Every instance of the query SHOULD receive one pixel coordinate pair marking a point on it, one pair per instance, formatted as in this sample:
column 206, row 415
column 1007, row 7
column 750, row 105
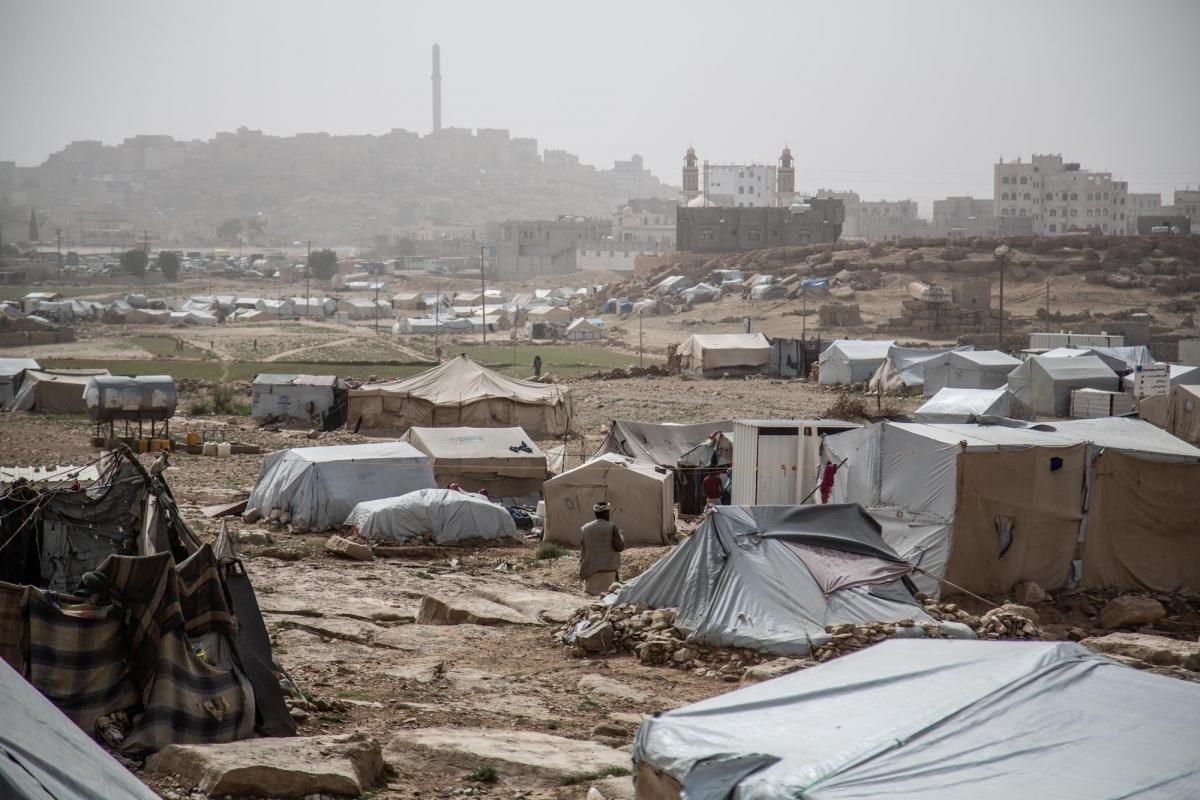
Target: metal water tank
column 115, row 397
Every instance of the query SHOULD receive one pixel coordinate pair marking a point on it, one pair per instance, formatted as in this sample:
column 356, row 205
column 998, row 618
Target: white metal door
column 777, row 456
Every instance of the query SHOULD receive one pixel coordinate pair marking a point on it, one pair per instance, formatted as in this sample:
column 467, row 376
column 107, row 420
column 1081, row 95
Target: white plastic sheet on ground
column 449, row 515
column 939, row 720
column 964, row 405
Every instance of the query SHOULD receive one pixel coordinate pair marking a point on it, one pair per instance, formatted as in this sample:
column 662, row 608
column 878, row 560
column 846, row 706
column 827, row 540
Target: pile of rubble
column 654, row 370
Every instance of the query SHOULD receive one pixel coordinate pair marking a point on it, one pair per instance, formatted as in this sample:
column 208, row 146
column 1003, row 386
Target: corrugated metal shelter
column 778, row 461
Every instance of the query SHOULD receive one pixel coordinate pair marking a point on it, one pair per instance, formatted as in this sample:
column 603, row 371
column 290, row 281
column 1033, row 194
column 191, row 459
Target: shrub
column 551, row 550
column 222, row 398
column 485, row 774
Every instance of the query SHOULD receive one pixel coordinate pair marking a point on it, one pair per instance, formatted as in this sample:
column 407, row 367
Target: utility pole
column 307, row 277
column 58, row 234
column 640, row 349
column 437, row 324
column 377, row 306
column 1047, row 301
column 1002, row 255
column 483, row 293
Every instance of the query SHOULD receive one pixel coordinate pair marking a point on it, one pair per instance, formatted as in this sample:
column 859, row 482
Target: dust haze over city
column 548, row 401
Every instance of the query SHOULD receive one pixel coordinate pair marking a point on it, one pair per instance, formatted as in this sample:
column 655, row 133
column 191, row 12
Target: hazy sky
column 894, row 99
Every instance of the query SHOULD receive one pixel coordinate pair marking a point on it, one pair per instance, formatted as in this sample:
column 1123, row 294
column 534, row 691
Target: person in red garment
column 713, row 485
column 827, row 476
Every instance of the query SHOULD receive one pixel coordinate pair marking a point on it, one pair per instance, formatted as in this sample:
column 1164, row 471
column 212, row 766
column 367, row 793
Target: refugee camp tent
column 319, row 400
column 1114, row 362
column 969, row 369
column 1177, row 412
column 409, row 301
column 504, row 461
column 768, row 291
column 116, row 312
column 987, row 506
column 664, row 445
column 359, row 308
column 585, row 330
column 446, row 514
column 849, row 361
column 429, row 327
column 45, row 756
column 53, row 391
column 673, row 284
column 772, row 577
column 700, row 293
column 148, row 316
column 1120, row 359
column 1179, row 374
column 1043, row 384
column 12, row 371
column 462, row 392
column 642, row 496
column 936, row 720
column 319, row 486
column 557, row 314
column 965, row 405
column 904, row 367
column 712, row 355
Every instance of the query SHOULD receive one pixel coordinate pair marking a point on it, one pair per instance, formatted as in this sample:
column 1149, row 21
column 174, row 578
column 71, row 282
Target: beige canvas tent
column 1178, row 413
column 461, row 392
column 642, row 497
column 713, row 355
column 57, row 391
column 505, row 461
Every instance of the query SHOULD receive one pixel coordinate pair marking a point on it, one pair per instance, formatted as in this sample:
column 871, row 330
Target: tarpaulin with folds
column 964, row 405
column 714, row 353
column 658, row 443
column 935, row 720
column 450, row 516
column 1044, row 384
column 462, row 393
column 762, row 577
column 642, row 498
column 904, row 367
column 979, row 369
column 505, row 461
column 58, row 391
column 850, row 361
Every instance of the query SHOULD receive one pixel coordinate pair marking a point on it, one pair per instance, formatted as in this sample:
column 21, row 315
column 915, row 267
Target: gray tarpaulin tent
column 319, row 486
column 935, row 720
column 448, row 515
column 772, row 577
column 850, row 361
column 1043, row 384
column 46, row 756
column 965, row 405
column 977, row 369
column 904, row 367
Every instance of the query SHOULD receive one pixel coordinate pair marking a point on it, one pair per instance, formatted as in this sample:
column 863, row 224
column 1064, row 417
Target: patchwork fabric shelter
column 642, row 496
column 772, row 577
column 904, row 367
column 504, row 461
column 936, row 720
column 1043, row 384
column 972, row 369
column 319, row 486
column 965, row 405
column 445, row 514
column 714, row 355
column 849, row 361
column 53, row 391
column 462, row 393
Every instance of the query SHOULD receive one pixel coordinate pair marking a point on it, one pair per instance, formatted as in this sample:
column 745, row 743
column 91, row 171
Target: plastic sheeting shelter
column 772, row 577
column 714, row 355
column 936, row 720
column 975, row 369
column 904, row 367
column 319, row 486
column 849, row 361
column 56, row 391
column 462, row 393
column 989, row 506
column 12, row 370
column 965, row 405
column 46, row 756
column 1114, row 362
column 1178, row 413
column 447, row 515
column 505, row 461
column 642, row 497
column 1043, row 384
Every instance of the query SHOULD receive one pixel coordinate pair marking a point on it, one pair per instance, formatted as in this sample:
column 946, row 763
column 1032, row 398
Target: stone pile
column 1009, row 621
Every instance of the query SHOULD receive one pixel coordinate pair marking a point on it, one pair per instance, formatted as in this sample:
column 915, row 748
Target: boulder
column 342, row 765
column 468, row 610
column 1131, row 611
column 1157, row 650
column 597, row 637
column 654, row 651
column 1028, row 594
column 341, row 546
column 553, row 759
column 607, row 687
column 255, row 537
column 773, row 669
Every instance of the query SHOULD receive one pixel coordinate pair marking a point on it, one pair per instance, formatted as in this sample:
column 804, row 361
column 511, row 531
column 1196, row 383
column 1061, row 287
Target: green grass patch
column 564, row 360
column 164, row 346
column 213, row 370
column 551, row 550
column 485, row 774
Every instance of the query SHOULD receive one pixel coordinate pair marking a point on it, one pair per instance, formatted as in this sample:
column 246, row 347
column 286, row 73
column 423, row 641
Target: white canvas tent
column 904, row 367
column 1114, row 362
column 973, row 369
column 965, row 405
column 584, row 329
column 445, row 514
column 461, row 393
column 505, row 461
column 989, row 506
column 12, row 370
column 772, row 577
column 1043, row 384
column 849, row 361
column 319, row 486
column 642, row 497
column 936, row 720
column 1177, row 412
column 714, row 355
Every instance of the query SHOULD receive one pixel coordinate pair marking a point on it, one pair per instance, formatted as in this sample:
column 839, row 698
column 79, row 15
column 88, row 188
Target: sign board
column 1152, row 379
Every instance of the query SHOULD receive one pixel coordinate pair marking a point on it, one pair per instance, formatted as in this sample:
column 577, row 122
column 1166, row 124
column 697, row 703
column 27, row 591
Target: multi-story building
column 648, row 221
column 1142, row 204
column 738, row 185
column 1187, row 202
column 963, row 216
column 1047, row 197
column 851, row 203
column 524, row 249
column 888, row 220
column 728, row 230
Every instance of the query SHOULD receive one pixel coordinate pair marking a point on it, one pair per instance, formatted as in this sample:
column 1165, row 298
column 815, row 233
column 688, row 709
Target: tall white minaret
column 437, row 88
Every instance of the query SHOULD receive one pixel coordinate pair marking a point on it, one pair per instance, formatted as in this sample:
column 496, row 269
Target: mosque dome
column 700, row 201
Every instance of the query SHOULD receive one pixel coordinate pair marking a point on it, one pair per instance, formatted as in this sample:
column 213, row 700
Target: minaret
column 437, row 88
column 691, row 178
column 785, row 179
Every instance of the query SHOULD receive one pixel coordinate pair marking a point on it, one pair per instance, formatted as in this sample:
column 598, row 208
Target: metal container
column 148, row 398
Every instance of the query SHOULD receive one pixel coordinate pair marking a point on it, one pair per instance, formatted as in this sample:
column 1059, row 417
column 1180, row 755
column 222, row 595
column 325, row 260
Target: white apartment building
column 1142, row 204
column 1047, row 197
column 738, row 185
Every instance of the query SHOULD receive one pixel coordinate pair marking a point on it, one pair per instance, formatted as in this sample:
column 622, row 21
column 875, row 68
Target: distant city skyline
column 894, row 101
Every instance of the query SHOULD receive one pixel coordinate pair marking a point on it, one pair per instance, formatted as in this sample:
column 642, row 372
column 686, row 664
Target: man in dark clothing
column 537, row 366
column 713, row 488
column 600, row 554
